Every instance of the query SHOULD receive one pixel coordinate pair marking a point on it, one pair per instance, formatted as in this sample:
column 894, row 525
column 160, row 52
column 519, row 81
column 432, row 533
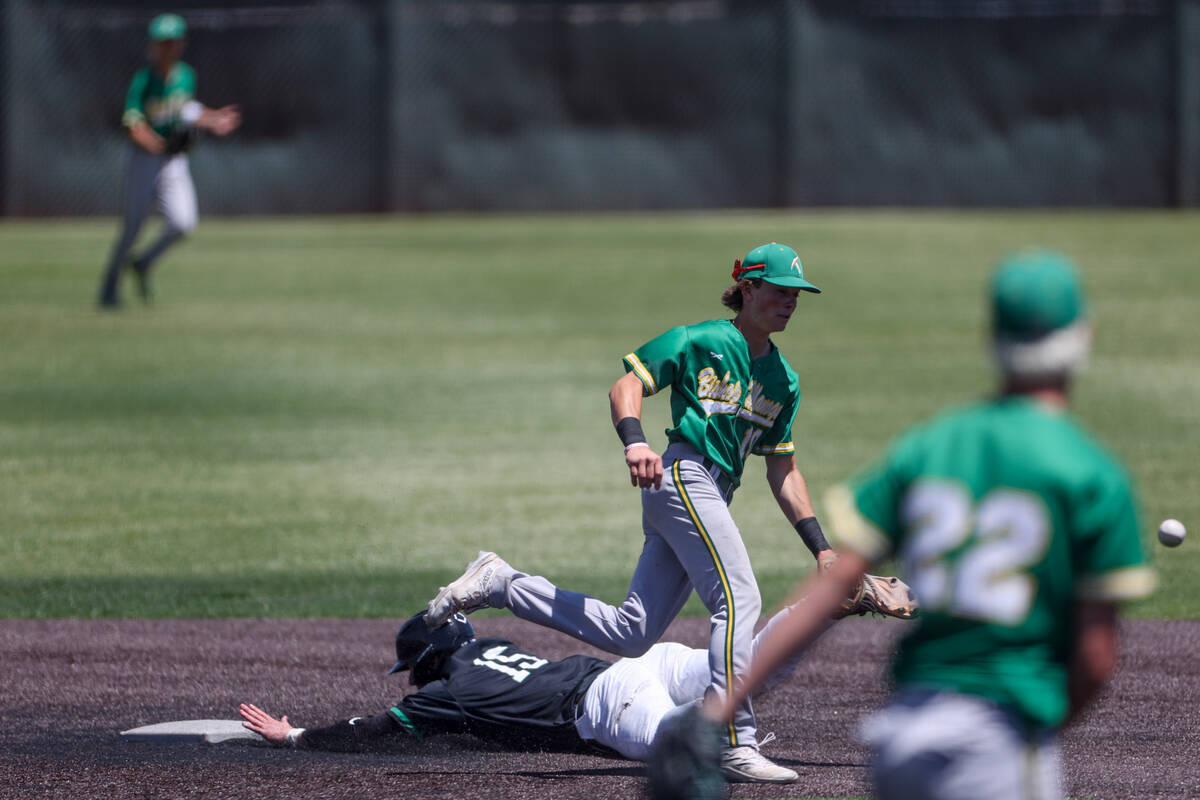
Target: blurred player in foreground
column 1019, row 535
column 494, row 689
column 161, row 115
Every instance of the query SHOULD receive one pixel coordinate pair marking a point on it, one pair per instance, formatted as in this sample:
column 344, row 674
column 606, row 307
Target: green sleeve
column 659, row 361
column 135, row 112
column 778, row 440
column 1106, row 544
column 188, row 81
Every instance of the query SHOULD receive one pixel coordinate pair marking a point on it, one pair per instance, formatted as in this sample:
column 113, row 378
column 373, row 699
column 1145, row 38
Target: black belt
column 722, row 479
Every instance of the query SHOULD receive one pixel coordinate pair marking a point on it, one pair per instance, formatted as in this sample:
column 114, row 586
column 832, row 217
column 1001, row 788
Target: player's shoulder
column 709, row 333
column 1091, row 461
column 1030, row 432
column 185, row 69
column 141, row 75
column 948, row 424
column 713, row 333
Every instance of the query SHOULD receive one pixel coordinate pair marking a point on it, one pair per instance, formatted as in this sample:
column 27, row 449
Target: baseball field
column 327, row 417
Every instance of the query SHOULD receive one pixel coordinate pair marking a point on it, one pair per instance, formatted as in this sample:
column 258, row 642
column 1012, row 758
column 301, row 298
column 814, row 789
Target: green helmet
column 774, row 263
column 1039, row 314
column 165, row 27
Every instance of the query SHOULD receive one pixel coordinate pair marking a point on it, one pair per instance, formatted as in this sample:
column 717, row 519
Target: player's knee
column 182, row 224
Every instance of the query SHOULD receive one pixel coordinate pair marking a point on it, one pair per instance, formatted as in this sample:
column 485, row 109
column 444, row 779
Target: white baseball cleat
column 746, row 765
column 470, row 592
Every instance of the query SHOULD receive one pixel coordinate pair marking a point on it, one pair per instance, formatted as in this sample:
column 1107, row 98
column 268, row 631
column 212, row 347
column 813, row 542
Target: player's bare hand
column 262, row 723
column 145, row 137
column 224, row 120
column 645, row 467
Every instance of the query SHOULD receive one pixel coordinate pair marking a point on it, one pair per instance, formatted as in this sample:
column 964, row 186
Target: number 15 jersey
column 1002, row 515
column 497, row 691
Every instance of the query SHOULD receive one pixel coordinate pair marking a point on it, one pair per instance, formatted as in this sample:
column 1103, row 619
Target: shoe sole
column 740, row 777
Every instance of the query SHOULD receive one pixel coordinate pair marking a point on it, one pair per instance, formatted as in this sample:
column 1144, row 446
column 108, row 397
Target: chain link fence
column 382, row 105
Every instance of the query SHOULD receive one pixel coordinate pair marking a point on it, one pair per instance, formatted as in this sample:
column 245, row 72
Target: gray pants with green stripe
column 691, row 543
column 928, row 745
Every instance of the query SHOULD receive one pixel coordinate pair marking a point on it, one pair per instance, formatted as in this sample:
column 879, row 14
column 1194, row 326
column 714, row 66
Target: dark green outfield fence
column 412, row 105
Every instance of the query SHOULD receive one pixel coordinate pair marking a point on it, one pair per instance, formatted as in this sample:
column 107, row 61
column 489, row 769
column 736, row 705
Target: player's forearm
column 791, row 492
column 217, row 121
column 208, row 119
column 360, row 733
column 1094, row 657
column 145, row 137
column 785, row 669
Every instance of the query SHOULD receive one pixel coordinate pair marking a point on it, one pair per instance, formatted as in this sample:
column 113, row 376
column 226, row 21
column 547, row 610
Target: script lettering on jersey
column 758, row 407
column 720, row 396
column 719, row 390
column 163, row 110
column 516, row 665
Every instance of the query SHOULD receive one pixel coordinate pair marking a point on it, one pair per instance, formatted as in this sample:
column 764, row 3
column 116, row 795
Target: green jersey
column 723, row 403
column 1001, row 515
column 159, row 103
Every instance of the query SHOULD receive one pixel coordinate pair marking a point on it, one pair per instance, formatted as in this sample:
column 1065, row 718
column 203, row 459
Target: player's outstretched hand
column 645, row 467
column 262, row 723
column 224, row 120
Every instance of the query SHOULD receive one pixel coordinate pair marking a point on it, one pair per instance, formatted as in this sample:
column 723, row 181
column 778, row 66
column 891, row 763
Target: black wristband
column 810, row 533
column 630, row 430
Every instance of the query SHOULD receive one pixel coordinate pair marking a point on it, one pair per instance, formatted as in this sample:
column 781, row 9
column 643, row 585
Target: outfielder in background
column 732, row 395
column 1019, row 534
column 162, row 116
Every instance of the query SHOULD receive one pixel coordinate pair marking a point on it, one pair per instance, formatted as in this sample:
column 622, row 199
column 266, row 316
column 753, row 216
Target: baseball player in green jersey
column 1019, row 534
column 161, row 116
column 732, row 395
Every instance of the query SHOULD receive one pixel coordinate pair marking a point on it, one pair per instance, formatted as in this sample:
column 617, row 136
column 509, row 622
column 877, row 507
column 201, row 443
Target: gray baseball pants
column 691, row 543
column 151, row 181
column 929, row 745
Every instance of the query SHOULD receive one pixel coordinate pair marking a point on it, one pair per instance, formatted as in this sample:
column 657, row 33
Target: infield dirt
column 72, row 685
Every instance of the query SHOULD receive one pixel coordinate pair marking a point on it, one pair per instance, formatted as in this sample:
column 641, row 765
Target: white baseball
column 1171, row 532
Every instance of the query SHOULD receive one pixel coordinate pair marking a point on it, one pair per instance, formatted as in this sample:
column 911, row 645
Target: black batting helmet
column 418, row 645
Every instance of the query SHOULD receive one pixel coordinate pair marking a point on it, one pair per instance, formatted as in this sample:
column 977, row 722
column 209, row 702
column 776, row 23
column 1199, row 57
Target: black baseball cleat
column 141, row 276
column 142, row 280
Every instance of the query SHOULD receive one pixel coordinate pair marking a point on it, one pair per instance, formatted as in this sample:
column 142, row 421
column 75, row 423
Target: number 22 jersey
column 1002, row 516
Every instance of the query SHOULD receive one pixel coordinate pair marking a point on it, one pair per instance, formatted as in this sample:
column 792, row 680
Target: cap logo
column 796, row 265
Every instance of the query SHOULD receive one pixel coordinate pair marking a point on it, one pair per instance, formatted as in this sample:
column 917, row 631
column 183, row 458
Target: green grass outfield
column 330, row 416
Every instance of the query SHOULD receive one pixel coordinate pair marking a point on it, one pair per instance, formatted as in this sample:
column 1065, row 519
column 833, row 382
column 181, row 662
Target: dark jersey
column 496, row 691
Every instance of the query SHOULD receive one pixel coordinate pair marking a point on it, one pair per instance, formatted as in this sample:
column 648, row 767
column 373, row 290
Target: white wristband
column 293, row 736
column 632, row 445
column 191, row 112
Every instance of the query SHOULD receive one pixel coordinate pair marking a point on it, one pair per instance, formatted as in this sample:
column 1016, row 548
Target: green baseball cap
column 1034, row 293
column 167, row 26
column 1039, row 314
column 774, row 263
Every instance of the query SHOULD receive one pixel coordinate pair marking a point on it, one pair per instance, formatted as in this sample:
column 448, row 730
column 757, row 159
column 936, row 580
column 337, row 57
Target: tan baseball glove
column 889, row 597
